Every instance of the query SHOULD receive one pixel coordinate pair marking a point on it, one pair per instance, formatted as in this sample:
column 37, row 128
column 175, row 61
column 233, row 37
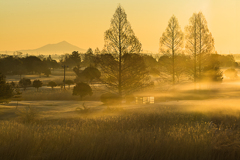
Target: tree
column 134, row 77
column 82, row 89
column 71, row 60
column 199, row 42
column 91, row 73
column 181, row 67
column 52, row 84
column 171, row 43
column 97, row 51
column 69, row 82
column 119, row 40
column 37, row 83
column 76, row 57
column 47, row 72
column 33, row 64
column 6, row 90
column 88, row 58
column 24, row 82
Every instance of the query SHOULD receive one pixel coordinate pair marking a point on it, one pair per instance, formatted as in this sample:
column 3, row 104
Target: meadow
column 183, row 123
column 167, row 130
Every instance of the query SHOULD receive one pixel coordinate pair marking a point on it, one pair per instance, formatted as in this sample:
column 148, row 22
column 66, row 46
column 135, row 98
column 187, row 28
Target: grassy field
column 182, row 124
column 168, row 130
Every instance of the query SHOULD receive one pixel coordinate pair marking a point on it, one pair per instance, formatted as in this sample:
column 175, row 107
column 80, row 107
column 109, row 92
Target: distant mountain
column 58, row 48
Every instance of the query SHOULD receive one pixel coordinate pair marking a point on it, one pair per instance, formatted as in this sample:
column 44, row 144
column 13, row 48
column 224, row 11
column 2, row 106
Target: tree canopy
column 82, row 89
column 37, row 84
column 199, row 42
column 171, row 43
column 119, row 40
column 6, row 90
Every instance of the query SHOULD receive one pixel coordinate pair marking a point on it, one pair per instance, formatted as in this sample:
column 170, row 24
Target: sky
column 30, row 24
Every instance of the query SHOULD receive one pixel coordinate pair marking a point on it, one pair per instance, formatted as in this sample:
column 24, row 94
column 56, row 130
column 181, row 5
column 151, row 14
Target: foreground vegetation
column 158, row 133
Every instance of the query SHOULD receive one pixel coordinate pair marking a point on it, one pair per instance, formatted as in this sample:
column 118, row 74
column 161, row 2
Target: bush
column 110, row 98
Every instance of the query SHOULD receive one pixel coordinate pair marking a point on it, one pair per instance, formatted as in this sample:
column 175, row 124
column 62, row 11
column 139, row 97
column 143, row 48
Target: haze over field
column 32, row 24
column 58, row 48
column 84, row 99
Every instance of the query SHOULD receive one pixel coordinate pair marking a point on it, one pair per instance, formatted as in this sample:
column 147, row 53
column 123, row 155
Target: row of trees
column 18, row 65
column 199, row 44
column 127, row 65
column 27, row 65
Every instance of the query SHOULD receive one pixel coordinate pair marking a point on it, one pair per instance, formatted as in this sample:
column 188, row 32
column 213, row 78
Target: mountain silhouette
column 58, row 48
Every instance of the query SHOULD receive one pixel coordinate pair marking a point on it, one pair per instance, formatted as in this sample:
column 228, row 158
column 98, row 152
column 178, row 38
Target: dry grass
column 56, row 94
column 156, row 133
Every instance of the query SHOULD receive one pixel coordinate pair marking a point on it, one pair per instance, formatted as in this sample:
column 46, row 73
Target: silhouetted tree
column 119, row 40
column 33, row 64
column 50, row 63
column 24, row 82
column 135, row 75
column 97, row 51
column 199, row 42
column 6, row 90
column 52, row 84
column 71, row 60
column 91, row 73
column 37, row 83
column 89, row 58
column 69, row 82
column 82, row 89
column 171, row 43
column 76, row 57
column 181, row 66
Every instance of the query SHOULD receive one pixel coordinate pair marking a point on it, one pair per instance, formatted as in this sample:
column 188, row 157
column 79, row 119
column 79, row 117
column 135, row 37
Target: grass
column 148, row 133
column 56, row 94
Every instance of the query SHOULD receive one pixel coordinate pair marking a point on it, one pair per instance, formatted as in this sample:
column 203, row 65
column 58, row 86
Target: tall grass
column 146, row 134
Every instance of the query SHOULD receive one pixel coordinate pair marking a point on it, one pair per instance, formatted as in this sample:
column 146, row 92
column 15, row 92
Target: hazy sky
column 30, row 24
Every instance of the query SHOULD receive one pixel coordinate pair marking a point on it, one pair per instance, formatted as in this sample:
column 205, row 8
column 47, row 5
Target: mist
column 121, row 103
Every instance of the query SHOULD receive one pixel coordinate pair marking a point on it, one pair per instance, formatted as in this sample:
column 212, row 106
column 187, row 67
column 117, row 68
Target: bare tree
column 171, row 42
column 119, row 40
column 199, row 42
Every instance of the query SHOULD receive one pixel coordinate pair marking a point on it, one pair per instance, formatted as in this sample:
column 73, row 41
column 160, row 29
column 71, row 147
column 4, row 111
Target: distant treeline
column 18, row 65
